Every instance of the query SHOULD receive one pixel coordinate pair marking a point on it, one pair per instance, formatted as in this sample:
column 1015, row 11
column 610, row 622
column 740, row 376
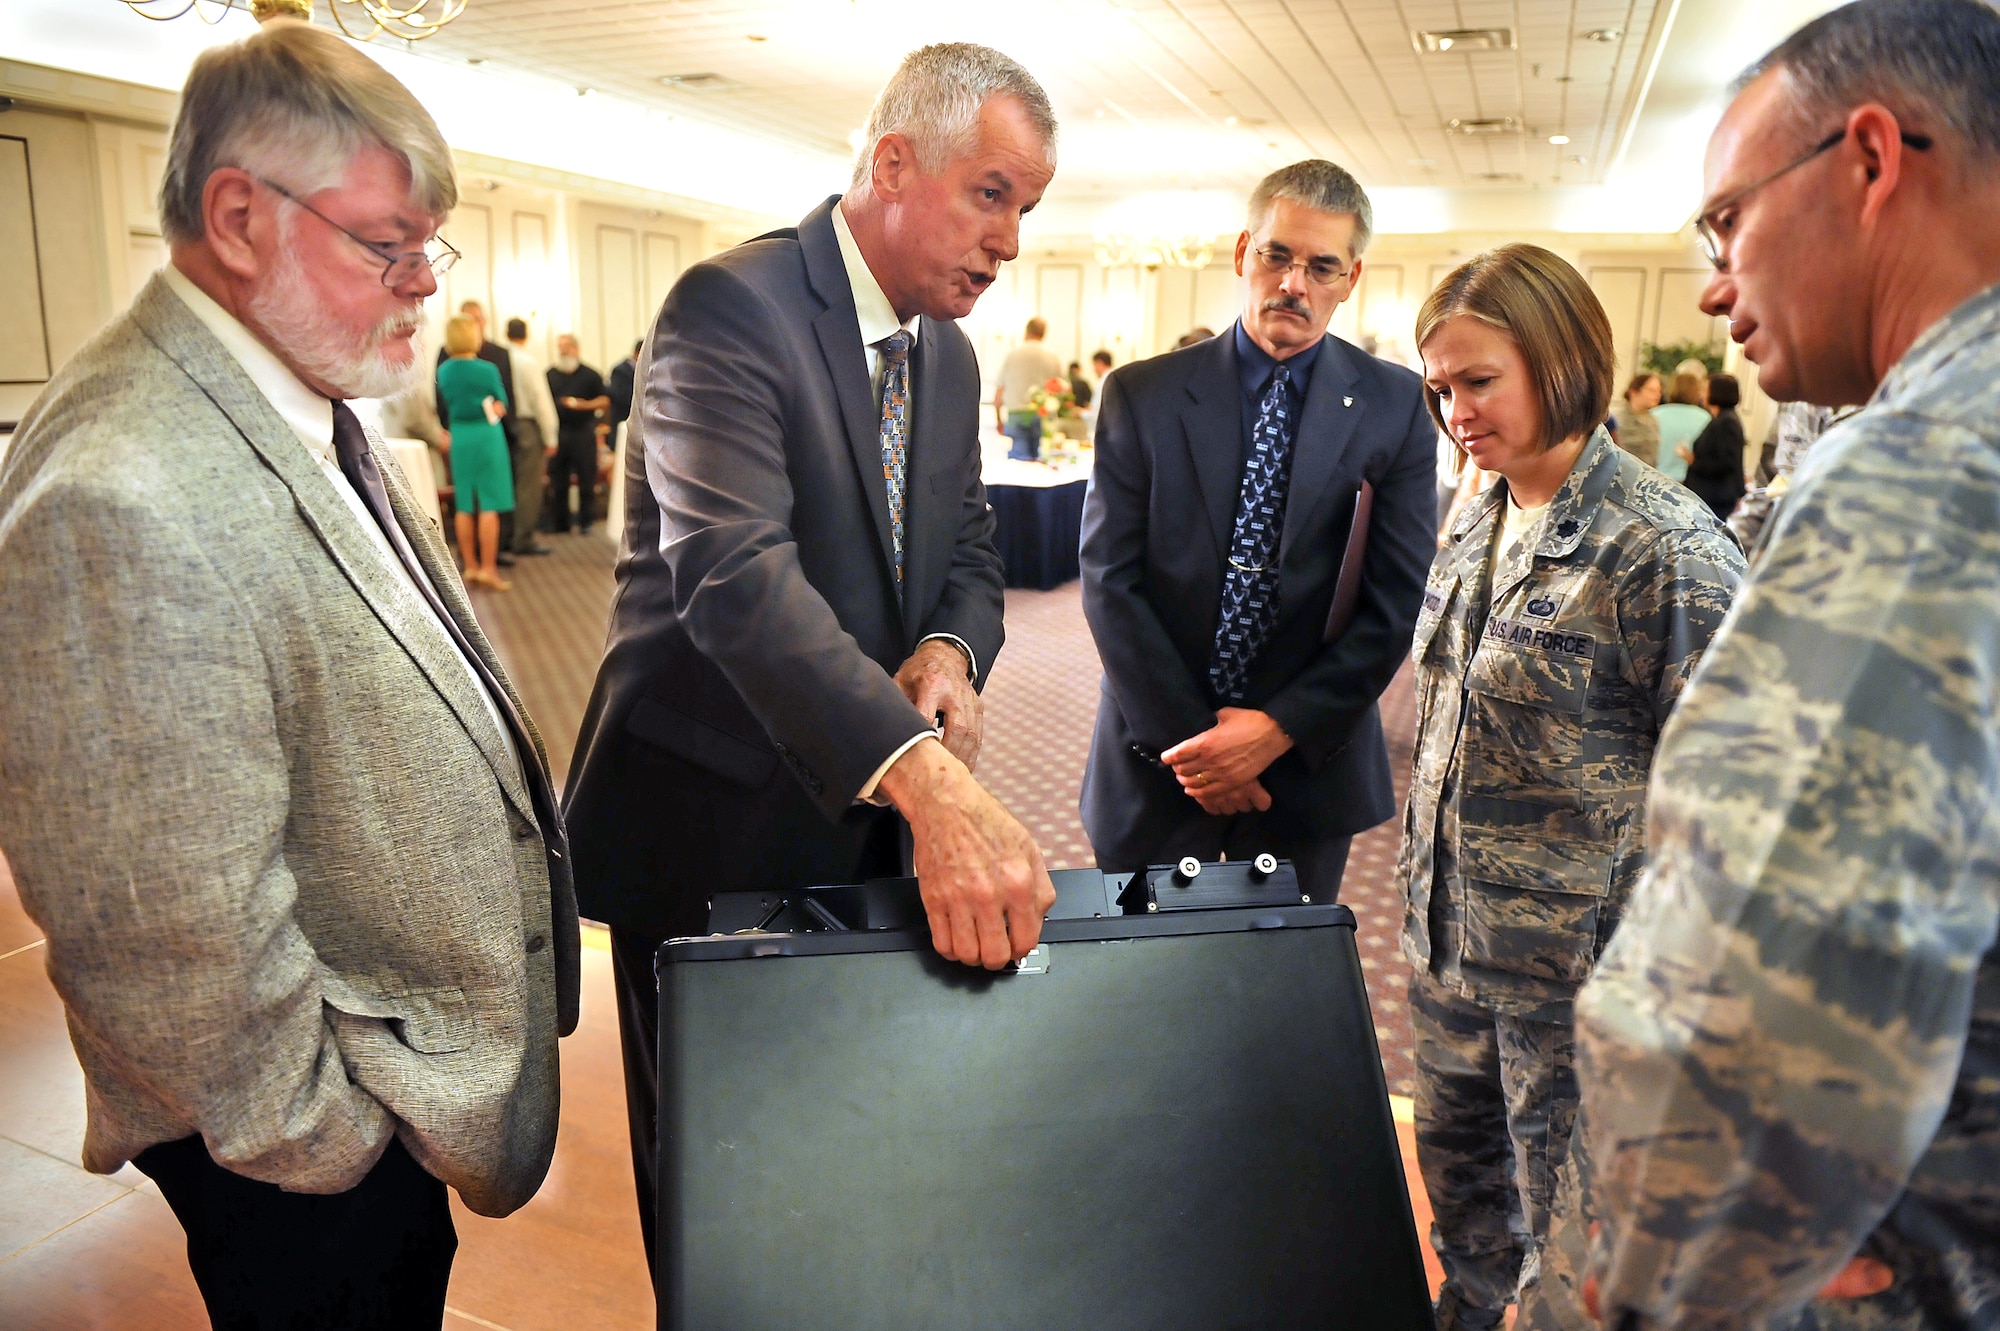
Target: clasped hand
column 937, row 682
column 1220, row 768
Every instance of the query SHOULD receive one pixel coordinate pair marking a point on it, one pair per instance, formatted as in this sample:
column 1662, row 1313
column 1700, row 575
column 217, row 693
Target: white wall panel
column 1622, row 291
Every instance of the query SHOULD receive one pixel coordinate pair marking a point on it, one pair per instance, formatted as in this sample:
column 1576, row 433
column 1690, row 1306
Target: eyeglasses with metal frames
column 398, row 267
column 1322, row 272
column 1710, row 240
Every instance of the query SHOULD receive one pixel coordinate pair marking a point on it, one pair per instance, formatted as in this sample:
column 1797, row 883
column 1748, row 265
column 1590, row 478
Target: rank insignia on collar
column 1566, row 528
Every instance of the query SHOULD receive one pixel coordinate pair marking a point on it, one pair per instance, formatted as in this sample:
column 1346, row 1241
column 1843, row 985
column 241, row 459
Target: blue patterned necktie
column 895, row 350
column 1250, row 584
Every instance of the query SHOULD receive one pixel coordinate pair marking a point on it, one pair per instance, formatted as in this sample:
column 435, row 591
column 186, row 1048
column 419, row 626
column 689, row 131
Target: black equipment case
column 1172, row 1118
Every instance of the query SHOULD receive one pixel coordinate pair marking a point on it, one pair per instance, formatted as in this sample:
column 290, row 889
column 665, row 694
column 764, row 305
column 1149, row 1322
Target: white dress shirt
column 878, row 321
column 311, row 419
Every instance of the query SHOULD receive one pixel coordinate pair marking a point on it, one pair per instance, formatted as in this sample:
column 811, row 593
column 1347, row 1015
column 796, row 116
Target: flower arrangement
column 1053, row 398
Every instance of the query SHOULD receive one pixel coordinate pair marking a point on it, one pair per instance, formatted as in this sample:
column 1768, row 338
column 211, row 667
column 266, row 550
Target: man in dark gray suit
column 263, row 782
column 809, row 578
column 1238, row 711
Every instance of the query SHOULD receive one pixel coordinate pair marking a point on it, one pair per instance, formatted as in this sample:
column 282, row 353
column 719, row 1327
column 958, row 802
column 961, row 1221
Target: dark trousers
column 374, row 1258
column 632, row 953
column 1026, row 432
column 575, row 461
column 531, row 464
column 1321, row 864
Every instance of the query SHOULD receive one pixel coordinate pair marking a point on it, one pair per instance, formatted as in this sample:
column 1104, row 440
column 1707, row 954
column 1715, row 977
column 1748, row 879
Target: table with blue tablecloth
column 1037, row 514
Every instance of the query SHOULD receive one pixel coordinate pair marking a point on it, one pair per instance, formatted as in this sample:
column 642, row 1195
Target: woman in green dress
column 482, row 475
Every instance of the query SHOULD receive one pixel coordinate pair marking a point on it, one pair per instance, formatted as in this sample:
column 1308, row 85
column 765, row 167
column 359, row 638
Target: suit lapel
column 184, row 339
column 838, row 328
column 1326, row 424
column 1212, row 421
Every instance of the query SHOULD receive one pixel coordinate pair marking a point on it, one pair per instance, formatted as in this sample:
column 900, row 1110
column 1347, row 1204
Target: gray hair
column 295, row 103
column 1318, row 184
column 1935, row 62
column 934, row 98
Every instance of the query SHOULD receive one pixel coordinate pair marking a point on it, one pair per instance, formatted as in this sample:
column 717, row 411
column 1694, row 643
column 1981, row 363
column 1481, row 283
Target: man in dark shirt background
column 580, row 397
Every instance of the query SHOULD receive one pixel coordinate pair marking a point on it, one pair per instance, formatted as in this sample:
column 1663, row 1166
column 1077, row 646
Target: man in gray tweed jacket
column 262, row 781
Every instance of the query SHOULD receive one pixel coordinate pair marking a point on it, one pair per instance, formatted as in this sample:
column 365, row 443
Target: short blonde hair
column 1543, row 303
column 461, row 336
column 295, row 103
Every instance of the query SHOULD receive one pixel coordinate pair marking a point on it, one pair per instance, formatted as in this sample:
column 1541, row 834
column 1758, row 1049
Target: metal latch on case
column 1035, row 963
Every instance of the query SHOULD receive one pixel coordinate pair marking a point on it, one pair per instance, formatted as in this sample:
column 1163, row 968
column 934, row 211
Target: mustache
column 1288, row 304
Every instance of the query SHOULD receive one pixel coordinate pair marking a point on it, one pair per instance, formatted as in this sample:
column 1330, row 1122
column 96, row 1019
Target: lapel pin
column 1347, row 402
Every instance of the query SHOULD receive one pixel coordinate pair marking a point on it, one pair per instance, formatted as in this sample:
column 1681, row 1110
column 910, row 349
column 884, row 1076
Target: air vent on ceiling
column 1603, row 34
column 1490, row 125
column 705, row 82
column 1459, row 40
column 1497, row 177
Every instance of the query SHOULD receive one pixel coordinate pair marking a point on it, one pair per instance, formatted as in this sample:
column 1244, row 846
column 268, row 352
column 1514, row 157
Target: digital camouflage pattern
column 1541, row 688
column 1495, row 1105
column 1791, row 1050
column 1798, row 426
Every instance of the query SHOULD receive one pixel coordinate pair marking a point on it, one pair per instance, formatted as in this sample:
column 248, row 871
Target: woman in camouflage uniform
column 1562, row 618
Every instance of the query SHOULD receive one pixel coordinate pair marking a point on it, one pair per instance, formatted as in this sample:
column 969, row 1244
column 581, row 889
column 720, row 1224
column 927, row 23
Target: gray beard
column 567, row 364
column 287, row 313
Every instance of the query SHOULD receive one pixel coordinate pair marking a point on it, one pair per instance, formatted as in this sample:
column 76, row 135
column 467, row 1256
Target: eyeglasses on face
column 1277, row 259
column 398, row 266
column 1708, row 224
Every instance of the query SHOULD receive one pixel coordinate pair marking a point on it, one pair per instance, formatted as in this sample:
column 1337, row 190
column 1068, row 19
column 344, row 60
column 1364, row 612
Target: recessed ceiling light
column 586, row 92
column 757, row 37
column 1603, row 34
column 475, row 60
column 707, row 81
column 1497, row 177
column 1230, row 121
column 1461, row 40
column 1558, row 139
column 1484, row 125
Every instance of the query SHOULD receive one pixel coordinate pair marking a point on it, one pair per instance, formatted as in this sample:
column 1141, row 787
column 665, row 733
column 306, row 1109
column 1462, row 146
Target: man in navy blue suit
column 1238, row 712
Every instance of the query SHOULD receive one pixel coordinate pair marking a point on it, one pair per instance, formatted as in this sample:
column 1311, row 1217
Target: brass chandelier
column 410, row 21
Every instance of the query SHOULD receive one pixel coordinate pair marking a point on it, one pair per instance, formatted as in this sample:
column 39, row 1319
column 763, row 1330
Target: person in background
column 1634, row 428
column 1079, row 386
column 1791, row 1051
column 482, row 473
column 497, row 356
column 1797, row 426
column 1715, row 467
column 789, row 692
column 1192, row 336
column 1027, row 368
column 1237, row 717
column 580, row 402
column 1683, row 416
column 535, row 428
column 412, row 414
column 1100, row 365
column 264, row 785
column 1563, row 617
column 618, row 387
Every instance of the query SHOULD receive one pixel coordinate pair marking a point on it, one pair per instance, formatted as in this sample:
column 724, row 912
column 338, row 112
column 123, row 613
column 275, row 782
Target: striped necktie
column 895, row 350
column 1250, row 584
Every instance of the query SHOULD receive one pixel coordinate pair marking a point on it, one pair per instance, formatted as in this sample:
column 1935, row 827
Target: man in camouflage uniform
column 1790, row 1053
column 1541, row 687
column 1798, row 426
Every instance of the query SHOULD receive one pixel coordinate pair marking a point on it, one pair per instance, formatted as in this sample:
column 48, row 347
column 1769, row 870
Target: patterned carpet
column 1040, row 703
